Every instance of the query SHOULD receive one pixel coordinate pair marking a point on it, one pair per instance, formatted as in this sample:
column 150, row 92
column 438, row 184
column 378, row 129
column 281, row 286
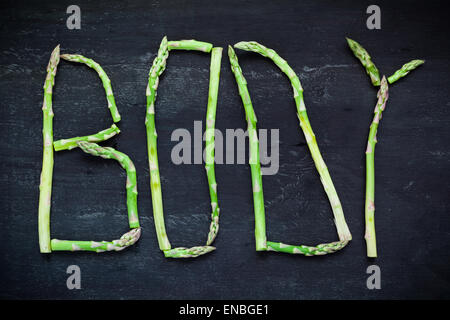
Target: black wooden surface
column 412, row 165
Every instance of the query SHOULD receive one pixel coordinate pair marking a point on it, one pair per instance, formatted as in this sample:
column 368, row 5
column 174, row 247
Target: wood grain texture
column 412, row 160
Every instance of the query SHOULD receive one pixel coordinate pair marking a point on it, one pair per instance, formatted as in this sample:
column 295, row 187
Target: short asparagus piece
column 128, row 239
column 182, row 252
column 159, row 65
column 366, row 61
column 382, row 95
column 321, row 249
column 69, row 144
column 341, row 225
column 190, row 45
column 45, row 187
column 103, row 76
column 404, row 70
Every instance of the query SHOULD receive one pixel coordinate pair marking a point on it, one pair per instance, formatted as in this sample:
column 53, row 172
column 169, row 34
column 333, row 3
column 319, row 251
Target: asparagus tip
column 230, row 51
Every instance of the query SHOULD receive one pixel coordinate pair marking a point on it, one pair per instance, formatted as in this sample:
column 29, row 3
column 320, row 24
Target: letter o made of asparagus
column 159, row 65
column 258, row 198
column 382, row 95
column 128, row 238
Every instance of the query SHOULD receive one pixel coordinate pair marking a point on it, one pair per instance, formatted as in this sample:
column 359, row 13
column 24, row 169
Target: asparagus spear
column 103, row 76
column 182, row 252
column 370, row 236
column 190, row 45
column 216, row 57
column 382, row 95
column 159, row 65
column 260, row 234
column 366, row 61
column 128, row 238
column 404, row 70
column 45, row 187
column 69, row 144
column 255, row 165
column 127, row 164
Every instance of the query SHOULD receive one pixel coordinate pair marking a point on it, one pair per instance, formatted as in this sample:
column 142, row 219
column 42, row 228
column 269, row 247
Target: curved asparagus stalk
column 128, row 239
column 341, row 225
column 127, row 164
column 45, row 187
column 158, row 66
column 103, row 76
column 370, row 237
column 404, row 70
column 69, row 144
column 382, row 95
column 190, row 45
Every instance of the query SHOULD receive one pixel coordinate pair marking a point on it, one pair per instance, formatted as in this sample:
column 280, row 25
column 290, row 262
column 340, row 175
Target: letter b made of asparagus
column 86, row 144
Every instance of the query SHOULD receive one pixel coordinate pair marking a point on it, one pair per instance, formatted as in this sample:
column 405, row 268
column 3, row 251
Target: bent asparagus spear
column 70, row 143
column 103, row 76
column 128, row 238
column 158, row 66
column 260, row 233
column 382, row 95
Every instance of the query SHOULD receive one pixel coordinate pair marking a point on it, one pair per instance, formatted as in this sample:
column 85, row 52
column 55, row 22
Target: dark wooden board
column 412, row 156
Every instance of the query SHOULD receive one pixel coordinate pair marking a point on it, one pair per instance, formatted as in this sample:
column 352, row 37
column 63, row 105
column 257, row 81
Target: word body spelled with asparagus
column 213, row 153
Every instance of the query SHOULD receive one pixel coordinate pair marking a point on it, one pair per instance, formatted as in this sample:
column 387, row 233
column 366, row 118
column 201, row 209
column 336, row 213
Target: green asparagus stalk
column 370, row 236
column 366, row 61
column 127, row 164
column 321, row 249
column 126, row 240
column 404, row 70
column 190, row 45
column 382, row 95
column 159, row 65
column 341, row 225
column 216, row 58
column 45, row 187
column 69, row 144
column 182, row 252
column 255, row 165
column 103, row 76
